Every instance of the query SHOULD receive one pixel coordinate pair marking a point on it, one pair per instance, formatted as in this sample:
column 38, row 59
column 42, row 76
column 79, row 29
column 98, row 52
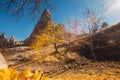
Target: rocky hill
column 102, row 45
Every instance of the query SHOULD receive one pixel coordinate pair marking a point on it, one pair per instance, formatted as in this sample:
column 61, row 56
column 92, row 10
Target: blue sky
column 64, row 9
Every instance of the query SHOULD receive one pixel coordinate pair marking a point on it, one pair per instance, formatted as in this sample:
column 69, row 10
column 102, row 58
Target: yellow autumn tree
column 52, row 34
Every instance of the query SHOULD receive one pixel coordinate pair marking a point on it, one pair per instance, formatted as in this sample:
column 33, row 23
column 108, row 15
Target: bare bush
column 94, row 18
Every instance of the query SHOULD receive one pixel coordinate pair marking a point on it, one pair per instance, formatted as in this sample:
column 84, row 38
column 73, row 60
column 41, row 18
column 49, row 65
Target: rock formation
column 3, row 63
column 104, row 25
column 8, row 43
column 4, row 36
column 42, row 22
column 12, row 41
column 104, row 44
column 3, row 41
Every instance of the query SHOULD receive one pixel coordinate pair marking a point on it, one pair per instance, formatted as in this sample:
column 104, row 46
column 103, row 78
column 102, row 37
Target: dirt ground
column 60, row 67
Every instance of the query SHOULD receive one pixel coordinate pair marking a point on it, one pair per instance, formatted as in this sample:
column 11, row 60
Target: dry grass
column 108, row 74
column 79, row 76
column 64, row 67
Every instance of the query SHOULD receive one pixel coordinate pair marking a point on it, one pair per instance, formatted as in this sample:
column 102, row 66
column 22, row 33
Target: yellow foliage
column 80, row 76
column 12, row 74
column 52, row 34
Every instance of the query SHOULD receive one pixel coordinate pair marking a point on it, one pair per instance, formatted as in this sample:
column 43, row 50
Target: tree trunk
column 93, row 53
column 55, row 46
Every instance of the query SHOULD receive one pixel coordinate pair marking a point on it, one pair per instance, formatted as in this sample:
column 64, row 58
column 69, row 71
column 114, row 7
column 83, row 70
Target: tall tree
column 51, row 35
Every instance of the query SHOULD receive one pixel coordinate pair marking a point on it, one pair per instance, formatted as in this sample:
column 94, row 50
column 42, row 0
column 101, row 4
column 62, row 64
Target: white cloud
column 113, row 6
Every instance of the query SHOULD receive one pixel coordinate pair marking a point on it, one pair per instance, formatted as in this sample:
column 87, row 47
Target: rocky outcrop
column 45, row 18
column 41, row 24
column 104, row 25
column 3, row 41
column 3, row 63
column 8, row 43
column 106, row 43
column 102, row 45
column 12, row 41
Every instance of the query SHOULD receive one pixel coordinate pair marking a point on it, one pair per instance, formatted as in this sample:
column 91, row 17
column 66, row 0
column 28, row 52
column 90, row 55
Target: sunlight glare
column 114, row 5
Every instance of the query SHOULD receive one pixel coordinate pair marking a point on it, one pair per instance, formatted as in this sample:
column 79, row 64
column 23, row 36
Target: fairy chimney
column 104, row 25
column 4, row 36
column 12, row 41
column 45, row 18
column 41, row 24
